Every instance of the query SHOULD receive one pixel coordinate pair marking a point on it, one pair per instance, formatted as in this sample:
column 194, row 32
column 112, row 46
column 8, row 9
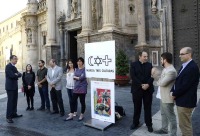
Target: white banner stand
column 100, row 63
column 98, row 124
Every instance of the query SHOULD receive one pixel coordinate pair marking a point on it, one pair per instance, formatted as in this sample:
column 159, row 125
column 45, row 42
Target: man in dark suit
column 11, row 87
column 142, row 90
column 184, row 90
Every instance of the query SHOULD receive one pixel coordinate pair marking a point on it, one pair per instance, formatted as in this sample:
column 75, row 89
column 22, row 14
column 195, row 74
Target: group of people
column 175, row 88
column 179, row 88
column 46, row 78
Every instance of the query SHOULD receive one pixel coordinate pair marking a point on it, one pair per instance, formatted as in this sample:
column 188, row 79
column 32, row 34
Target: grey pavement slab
column 53, row 125
column 142, row 131
column 36, row 123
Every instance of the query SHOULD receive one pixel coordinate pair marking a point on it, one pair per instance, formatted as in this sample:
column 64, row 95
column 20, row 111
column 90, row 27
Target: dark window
column 44, row 40
column 11, row 25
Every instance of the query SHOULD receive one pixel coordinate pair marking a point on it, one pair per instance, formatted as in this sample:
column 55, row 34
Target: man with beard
column 165, row 83
column 142, row 90
column 43, row 86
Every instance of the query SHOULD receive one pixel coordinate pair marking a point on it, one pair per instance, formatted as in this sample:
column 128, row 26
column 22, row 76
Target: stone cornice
column 73, row 24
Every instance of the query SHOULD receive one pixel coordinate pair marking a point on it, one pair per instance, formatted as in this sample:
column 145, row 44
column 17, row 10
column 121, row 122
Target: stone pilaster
column 52, row 48
column 86, row 7
column 141, row 23
column 62, row 44
column 108, row 15
column 51, row 22
column 79, row 8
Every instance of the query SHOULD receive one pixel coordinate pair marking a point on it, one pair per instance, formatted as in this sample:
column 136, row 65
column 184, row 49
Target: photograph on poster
column 102, row 99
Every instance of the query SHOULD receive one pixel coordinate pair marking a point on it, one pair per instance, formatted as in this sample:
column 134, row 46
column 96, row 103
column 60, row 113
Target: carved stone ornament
column 61, row 17
column 74, row 9
column 29, row 36
column 131, row 9
column 154, row 6
column 94, row 16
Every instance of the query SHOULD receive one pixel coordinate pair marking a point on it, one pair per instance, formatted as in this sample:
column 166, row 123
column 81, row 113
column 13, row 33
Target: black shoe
column 41, row 109
column 150, row 129
column 32, row 108
column 133, row 126
column 160, row 131
column 55, row 112
column 9, row 120
column 62, row 114
column 17, row 116
column 28, row 108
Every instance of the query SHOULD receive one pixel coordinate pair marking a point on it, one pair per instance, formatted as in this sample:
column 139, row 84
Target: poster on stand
column 103, row 101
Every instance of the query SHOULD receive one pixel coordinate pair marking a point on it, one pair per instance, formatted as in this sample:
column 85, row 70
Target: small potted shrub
column 122, row 68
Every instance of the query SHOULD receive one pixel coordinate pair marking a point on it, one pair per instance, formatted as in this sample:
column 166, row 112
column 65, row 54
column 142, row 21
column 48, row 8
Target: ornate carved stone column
column 31, row 26
column 51, row 46
column 108, row 15
column 86, row 17
column 141, row 23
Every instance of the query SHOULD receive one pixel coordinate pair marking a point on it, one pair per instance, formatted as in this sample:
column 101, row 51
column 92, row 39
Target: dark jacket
column 186, row 84
column 12, row 76
column 141, row 75
column 32, row 84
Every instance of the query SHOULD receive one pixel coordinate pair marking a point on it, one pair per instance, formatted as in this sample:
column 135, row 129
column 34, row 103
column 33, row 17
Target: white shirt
column 184, row 65
column 70, row 80
column 53, row 70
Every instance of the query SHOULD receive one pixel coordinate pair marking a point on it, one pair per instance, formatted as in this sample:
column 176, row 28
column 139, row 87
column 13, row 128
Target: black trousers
column 145, row 97
column 29, row 97
column 11, row 103
column 74, row 102
column 56, row 98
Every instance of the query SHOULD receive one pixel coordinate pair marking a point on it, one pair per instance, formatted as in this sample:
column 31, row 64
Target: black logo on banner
column 98, row 61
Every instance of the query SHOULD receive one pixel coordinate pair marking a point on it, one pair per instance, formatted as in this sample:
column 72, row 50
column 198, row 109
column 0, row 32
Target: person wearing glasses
column 11, row 86
column 184, row 90
column 43, row 86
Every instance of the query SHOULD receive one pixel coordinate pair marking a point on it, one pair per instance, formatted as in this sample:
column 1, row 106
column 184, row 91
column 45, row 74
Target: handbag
column 119, row 111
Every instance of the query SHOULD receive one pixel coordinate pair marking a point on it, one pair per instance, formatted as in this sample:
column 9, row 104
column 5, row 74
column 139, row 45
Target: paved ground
column 36, row 123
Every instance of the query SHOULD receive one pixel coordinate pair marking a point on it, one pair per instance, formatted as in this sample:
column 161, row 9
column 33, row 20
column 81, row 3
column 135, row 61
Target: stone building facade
column 59, row 29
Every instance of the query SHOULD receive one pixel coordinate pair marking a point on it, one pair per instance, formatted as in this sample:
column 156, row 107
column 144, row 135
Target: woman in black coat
column 28, row 79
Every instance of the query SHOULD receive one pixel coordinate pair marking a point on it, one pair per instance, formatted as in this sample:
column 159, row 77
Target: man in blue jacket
column 11, row 87
column 184, row 90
